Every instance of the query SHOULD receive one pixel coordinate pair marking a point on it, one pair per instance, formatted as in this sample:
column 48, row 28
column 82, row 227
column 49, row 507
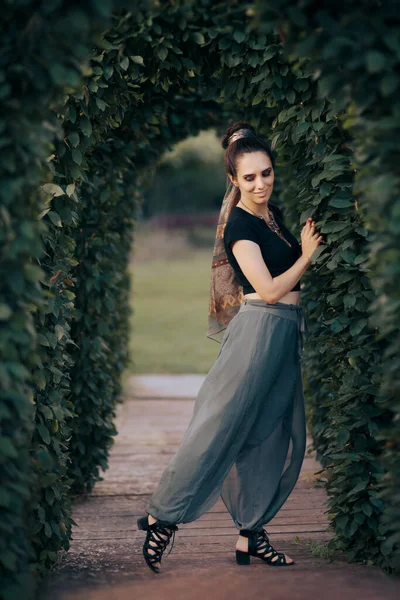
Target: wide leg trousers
column 246, row 437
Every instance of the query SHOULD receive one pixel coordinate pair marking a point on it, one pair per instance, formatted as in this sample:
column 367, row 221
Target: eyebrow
column 266, row 169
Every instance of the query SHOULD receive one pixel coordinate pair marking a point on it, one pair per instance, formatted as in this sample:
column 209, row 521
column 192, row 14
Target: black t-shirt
column 278, row 256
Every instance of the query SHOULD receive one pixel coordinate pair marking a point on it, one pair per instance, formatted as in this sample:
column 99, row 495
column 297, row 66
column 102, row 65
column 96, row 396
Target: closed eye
column 250, row 177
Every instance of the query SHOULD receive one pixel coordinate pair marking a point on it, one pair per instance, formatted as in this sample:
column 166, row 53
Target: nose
column 260, row 186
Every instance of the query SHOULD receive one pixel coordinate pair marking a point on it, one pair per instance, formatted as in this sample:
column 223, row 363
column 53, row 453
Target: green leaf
column 42, row 340
column 343, row 436
column 341, row 203
column 86, row 126
column 367, row 509
column 357, row 326
column 48, row 530
column 54, row 218
column 162, row 53
column 102, row 105
column 52, row 189
column 46, row 411
column 77, row 156
column 349, row 300
column 70, row 189
column 239, row 36
column 137, row 59
column 59, row 331
column 5, row 312
column 124, row 63
column 74, row 139
column 257, row 99
column 341, row 521
column 291, row 96
column 41, row 514
column 389, row 84
column 302, row 127
column 44, row 433
column 376, row 61
column 359, row 487
column 198, row 37
column 337, row 326
column 333, row 227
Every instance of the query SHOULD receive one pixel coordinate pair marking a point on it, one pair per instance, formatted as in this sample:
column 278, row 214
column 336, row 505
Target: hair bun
column 233, row 128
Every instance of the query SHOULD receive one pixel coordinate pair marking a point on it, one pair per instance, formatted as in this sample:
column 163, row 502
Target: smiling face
column 254, row 177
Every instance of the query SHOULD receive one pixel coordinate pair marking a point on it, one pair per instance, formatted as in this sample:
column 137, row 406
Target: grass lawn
column 170, row 288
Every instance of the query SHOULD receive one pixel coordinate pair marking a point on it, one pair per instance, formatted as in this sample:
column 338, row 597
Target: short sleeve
column 239, row 229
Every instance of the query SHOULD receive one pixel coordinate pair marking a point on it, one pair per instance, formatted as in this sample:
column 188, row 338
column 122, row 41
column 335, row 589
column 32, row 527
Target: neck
column 259, row 208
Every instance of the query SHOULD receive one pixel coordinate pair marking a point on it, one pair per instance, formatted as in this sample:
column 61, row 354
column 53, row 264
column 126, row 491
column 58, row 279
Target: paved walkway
column 105, row 560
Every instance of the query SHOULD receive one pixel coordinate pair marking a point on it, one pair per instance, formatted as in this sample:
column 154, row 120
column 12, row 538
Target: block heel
column 143, row 523
column 242, row 558
column 260, row 547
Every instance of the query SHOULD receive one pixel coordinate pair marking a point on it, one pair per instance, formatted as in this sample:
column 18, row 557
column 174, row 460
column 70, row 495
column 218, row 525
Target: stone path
column 105, row 560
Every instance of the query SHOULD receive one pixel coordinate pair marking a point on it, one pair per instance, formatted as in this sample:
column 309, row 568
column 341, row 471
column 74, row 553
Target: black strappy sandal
column 260, row 547
column 155, row 533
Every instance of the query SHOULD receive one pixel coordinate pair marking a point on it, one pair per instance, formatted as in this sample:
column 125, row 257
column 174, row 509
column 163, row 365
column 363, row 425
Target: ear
column 233, row 179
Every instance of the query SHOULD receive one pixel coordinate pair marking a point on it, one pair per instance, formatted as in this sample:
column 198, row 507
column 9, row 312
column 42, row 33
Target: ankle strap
column 247, row 532
column 250, row 532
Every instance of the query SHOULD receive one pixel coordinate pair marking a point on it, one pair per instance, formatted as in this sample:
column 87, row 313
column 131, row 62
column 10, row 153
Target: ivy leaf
column 74, row 139
column 257, row 99
column 359, row 487
column 343, row 436
column 376, row 61
column 124, row 64
column 70, row 189
column 5, row 312
column 341, row 203
column 52, row 189
column 291, row 96
column 239, row 36
column 77, row 156
column 54, row 218
column 137, row 59
column 198, row 37
column 44, row 433
column 101, row 104
column 86, row 126
column 162, row 53
column 357, row 326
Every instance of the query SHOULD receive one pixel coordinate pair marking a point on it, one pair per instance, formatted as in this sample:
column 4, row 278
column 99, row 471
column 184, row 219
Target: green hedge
column 353, row 369
column 92, row 101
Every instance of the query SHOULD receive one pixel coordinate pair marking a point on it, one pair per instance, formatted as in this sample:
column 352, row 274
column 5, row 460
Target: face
column 254, row 177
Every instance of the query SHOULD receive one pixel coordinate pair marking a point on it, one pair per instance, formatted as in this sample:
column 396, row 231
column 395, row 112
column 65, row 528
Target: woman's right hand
column 310, row 239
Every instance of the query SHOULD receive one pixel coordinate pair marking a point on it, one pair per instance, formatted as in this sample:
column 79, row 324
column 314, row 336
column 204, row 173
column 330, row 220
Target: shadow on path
column 105, row 560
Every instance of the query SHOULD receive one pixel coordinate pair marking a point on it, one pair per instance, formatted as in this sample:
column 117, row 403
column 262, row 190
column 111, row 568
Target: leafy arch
column 93, row 97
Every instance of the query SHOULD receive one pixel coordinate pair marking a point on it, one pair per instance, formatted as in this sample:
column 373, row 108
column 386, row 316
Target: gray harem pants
column 246, row 438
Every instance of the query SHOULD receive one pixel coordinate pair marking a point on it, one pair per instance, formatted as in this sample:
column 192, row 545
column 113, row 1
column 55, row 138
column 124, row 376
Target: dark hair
column 251, row 143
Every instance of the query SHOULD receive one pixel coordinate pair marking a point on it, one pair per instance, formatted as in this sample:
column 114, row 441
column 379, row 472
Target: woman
column 247, row 434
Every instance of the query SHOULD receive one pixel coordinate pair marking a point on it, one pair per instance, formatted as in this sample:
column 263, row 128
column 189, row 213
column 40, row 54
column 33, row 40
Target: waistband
column 294, row 312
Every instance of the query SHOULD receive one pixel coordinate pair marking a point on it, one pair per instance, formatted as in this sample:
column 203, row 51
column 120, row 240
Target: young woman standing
column 246, row 438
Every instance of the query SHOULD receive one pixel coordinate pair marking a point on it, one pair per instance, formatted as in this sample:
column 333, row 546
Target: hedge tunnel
column 92, row 94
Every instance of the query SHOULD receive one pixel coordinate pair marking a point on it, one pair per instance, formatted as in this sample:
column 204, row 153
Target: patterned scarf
column 226, row 294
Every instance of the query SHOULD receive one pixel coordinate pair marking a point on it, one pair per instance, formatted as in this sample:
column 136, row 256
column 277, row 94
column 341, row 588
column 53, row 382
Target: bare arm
column 251, row 262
